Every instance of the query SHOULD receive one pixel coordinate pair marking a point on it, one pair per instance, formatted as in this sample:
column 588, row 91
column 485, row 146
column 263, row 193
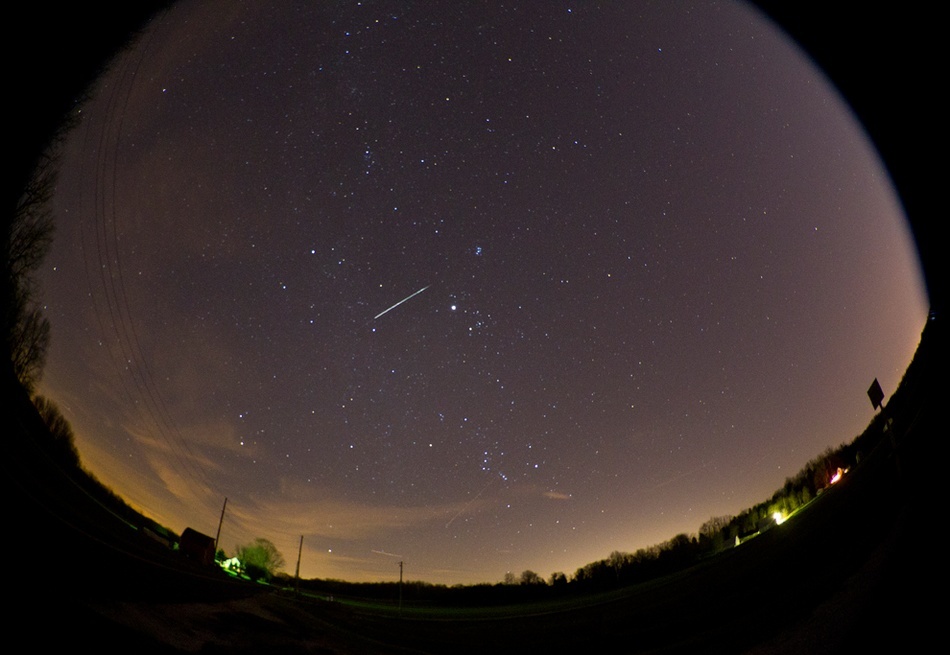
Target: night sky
column 482, row 287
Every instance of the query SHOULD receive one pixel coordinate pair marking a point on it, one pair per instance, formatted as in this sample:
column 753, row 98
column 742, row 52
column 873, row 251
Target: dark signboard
column 876, row 394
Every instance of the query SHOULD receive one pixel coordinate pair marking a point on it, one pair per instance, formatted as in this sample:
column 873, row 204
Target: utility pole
column 400, row 586
column 220, row 521
column 297, row 574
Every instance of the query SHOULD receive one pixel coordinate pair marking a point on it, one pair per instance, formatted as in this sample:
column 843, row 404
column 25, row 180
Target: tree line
column 26, row 238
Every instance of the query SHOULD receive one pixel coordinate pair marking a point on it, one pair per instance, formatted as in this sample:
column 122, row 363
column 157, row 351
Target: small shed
column 197, row 546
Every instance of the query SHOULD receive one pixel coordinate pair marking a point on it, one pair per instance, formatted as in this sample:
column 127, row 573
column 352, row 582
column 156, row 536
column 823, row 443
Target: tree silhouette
column 529, row 577
column 26, row 240
column 261, row 559
column 63, row 442
column 714, row 533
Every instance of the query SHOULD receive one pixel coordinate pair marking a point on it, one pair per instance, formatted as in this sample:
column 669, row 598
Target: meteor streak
column 402, row 301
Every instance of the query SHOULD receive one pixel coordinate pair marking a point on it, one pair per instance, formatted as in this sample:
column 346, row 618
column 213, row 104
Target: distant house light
column 838, row 475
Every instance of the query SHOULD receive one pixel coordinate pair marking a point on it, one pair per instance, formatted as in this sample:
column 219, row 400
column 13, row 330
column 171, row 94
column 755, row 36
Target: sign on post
column 876, row 394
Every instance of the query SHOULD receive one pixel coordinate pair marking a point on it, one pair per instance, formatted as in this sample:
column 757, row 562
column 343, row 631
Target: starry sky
column 480, row 287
